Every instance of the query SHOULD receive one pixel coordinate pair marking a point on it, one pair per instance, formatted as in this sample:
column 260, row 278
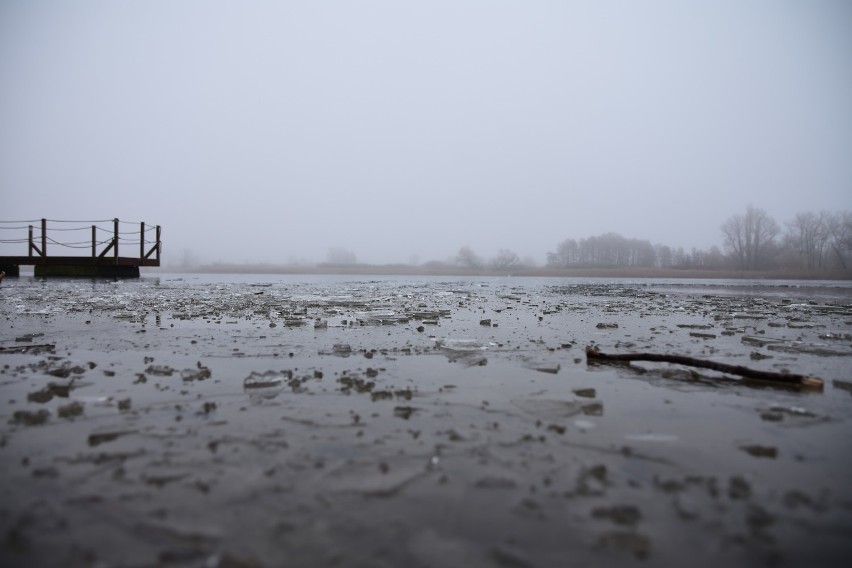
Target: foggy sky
column 273, row 131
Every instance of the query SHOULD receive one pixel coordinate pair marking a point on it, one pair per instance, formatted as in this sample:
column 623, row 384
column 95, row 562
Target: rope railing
column 77, row 245
column 69, row 229
column 64, row 221
column 137, row 223
column 38, row 234
column 64, row 244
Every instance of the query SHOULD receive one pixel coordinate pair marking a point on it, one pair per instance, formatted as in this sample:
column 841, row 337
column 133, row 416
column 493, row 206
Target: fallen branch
column 593, row 354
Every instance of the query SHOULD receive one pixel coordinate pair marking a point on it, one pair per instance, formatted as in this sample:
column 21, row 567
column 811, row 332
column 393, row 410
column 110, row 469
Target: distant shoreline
column 448, row 270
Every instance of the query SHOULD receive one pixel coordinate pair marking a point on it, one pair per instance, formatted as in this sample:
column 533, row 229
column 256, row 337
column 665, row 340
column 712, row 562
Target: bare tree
column 505, row 260
column 340, row 256
column 733, row 232
column 839, row 229
column 642, row 253
column 807, row 236
column 469, row 259
column 188, row 259
column 714, row 258
column 663, row 255
column 567, row 253
column 750, row 238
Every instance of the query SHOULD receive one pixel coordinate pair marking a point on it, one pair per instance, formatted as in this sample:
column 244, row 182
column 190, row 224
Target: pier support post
column 115, row 238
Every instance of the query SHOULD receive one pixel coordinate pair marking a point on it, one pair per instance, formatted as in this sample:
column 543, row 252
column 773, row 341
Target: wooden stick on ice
column 593, row 354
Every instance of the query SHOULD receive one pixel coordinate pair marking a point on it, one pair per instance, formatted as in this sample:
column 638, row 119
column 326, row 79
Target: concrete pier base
column 10, row 269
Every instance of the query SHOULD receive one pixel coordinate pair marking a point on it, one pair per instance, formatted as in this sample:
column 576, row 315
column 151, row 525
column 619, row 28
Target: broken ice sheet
column 551, row 367
column 379, row 478
column 451, row 344
column 469, row 352
column 265, row 385
column 102, row 437
column 380, row 317
column 264, row 380
column 198, row 374
column 651, row 437
column 548, row 408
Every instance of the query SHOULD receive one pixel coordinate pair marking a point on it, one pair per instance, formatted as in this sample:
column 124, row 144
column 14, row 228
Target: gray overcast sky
column 273, row 130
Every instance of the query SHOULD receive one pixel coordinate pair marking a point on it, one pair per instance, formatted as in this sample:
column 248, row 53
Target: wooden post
column 43, row 237
column 158, row 244
column 94, row 241
column 30, row 250
column 142, row 240
column 115, row 238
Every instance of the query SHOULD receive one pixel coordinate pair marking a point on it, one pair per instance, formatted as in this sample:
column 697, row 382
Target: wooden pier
column 105, row 243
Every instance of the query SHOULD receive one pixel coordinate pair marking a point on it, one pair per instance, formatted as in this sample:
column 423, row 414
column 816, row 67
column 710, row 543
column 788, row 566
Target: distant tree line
column 505, row 260
column 810, row 243
column 614, row 250
column 610, row 249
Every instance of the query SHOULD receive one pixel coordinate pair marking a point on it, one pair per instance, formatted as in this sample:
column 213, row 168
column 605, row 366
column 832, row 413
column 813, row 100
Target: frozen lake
column 261, row 420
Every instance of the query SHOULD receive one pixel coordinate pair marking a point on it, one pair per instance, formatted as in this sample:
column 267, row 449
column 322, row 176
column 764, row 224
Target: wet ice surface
column 263, row 421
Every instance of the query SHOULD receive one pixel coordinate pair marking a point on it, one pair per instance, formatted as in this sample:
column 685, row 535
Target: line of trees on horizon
column 753, row 241
column 811, row 244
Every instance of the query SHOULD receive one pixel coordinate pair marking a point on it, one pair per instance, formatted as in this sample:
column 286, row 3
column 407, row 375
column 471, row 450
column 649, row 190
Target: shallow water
column 239, row 420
